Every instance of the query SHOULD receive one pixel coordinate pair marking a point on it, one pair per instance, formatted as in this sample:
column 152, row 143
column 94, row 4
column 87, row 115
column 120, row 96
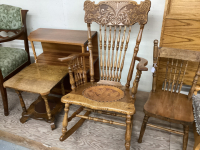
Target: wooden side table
column 44, row 75
column 40, row 79
column 58, row 43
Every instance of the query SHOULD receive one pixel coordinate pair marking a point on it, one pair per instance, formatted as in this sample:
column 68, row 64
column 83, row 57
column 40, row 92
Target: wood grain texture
column 125, row 105
column 110, row 12
column 34, row 52
column 21, row 101
column 91, row 60
column 155, row 61
column 37, row 78
column 136, row 49
column 101, row 120
column 37, row 112
column 180, row 29
column 60, row 36
column 166, row 129
column 104, row 112
column 172, row 106
column 59, row 43
column 182, row 54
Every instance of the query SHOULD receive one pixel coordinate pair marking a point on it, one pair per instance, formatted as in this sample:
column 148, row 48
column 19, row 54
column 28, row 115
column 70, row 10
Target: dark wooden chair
column 165, row 101
column 108, row 95
column 12, row 60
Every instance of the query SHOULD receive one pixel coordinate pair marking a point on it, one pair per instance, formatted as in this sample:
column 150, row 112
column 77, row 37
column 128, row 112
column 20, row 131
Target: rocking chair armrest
column 13, row 37
column 197, row 88
column 140, row 67
column 142, row 63
column 72, row 57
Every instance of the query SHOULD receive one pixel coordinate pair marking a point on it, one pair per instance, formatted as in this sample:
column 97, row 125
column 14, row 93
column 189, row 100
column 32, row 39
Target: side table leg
column 21, row 101
column 24, row 117
column 48, row 111
column 47, row 106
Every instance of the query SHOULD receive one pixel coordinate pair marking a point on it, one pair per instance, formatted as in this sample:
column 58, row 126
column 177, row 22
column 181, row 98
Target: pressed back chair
column 165, row 101
column 12, row 60
column 115, row 19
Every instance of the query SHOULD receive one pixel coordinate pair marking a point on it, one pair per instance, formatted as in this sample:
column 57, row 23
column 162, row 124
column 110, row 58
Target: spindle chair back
column 176, row 67
column 115, row 18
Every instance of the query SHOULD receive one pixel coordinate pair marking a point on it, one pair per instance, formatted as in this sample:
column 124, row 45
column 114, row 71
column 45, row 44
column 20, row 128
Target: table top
column 37, row 78
column 61, row 36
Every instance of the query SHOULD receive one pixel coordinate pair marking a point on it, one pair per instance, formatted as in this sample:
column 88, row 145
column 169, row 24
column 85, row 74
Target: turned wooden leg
column 128, row 132
column 62, row 88
column 5, row 99
column 65, row 121
column 185, row 137
column 131, row 123
column 47, row 106
column 21, row 101
column 145, row 120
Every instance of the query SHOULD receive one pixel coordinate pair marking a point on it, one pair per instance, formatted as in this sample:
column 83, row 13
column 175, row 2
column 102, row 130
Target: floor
column 37, row 135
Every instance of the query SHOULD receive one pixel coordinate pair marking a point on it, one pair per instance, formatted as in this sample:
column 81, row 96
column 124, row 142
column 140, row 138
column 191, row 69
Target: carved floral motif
column 117, row 12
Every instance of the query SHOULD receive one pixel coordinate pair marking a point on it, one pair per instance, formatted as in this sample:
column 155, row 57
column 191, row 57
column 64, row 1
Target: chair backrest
column 115, row 18
column 176, row 67
column 12, row 19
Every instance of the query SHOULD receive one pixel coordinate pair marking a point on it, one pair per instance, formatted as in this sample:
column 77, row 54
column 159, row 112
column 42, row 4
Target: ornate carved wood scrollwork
column 117, row 12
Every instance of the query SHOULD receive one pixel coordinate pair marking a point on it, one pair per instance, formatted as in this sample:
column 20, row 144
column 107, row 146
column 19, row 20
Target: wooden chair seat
column 125, row 105
column 173, row 106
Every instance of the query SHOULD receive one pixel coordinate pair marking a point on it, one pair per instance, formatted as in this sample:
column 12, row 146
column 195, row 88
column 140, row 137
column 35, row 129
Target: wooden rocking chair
column 108, row 94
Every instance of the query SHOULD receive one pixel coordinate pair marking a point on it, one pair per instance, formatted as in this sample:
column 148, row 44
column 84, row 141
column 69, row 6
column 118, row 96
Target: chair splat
column 166, row 75
column 112, row 57
column 177, row 81
column 109, row 46
column 125, row 49
column 183, row 77
column 171, row 81
column 105, row 45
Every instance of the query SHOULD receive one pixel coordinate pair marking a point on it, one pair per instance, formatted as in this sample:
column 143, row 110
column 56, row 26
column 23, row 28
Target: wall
column 67, row 14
